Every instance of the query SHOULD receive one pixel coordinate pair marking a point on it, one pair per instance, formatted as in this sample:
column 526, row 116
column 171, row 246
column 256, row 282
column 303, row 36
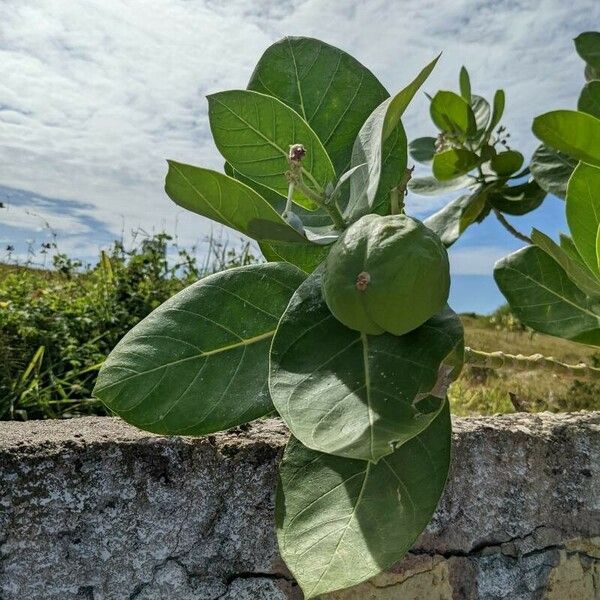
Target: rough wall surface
column 94, row 509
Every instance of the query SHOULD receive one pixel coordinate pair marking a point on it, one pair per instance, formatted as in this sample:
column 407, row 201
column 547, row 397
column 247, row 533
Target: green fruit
column 386, row 274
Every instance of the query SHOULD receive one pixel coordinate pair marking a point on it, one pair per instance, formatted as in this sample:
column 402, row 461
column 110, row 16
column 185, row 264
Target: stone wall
column 94, row 509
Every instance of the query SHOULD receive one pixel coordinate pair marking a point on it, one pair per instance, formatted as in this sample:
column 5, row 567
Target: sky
column 95, row 95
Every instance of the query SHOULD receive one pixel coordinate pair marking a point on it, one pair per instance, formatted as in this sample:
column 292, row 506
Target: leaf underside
column 342, row 521
column 199, row 363
column 552, row 169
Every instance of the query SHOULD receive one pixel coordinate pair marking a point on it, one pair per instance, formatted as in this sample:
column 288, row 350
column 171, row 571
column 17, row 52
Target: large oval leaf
column 452, row 114
column 454, row 163
column 572, row 132
column 583, row 212
column 227, row 201
column 518, row 199
column 464, row 82
column 498, row 110
column 342, row 521
column 552, row 169
column 329, row 89
column 542, row 296
column 393, row 169
column 381, row 149
column 589, row 99
column 578, row 273
column 199, row 363
column 506, row 163
column 253, row 132
column 354, row 395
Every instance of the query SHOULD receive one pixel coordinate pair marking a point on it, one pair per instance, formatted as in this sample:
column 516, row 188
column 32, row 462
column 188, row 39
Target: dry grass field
column 480, row 391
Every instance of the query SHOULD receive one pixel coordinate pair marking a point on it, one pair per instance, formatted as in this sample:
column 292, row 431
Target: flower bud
column 297, row 152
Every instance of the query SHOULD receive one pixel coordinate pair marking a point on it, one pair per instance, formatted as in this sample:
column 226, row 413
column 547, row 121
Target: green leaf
column 381, row 148
column 506, row 163
column 543, row 297
column 253, row 132
column 583, row 212
column 567, row 244
column 199, row 362
column 498, row 110
column 481, row 110
column 587, row 45
column 328, row 88
column 598, row 247
column 422, row 150
column 589, row 99
column 579, row 274
column 393, row 169
column 465, row 84
column 227, row 201
column 342, row 521
column 487, row 152
column 518, row 199
column 452, row 114
column 451, row 221
column 351, row 394
column 552, row 169
column 453, row 163
column 430, row 186
column 572, row 132
column 304, row 256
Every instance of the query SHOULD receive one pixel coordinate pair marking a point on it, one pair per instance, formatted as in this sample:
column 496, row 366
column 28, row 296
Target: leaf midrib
column 365, row 356
column 350, row 519
column 243, row 342
column 554, row 293
column 269, row 141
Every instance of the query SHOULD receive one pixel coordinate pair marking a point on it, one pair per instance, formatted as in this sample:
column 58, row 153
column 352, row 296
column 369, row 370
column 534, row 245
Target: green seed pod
column 386, row 274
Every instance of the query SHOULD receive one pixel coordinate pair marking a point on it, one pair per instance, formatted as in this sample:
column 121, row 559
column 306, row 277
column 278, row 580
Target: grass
column 482, row 391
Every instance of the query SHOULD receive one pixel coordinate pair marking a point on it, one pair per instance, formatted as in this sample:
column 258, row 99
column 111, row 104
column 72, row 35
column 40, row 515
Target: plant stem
column 510, row 228
column 288, row 204
column 336, row 216
column 332, row 210
column 500, row 360
column 398, row 193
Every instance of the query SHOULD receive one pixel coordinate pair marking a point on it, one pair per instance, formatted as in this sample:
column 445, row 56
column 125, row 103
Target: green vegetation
column 57, row 327
column 554, row 288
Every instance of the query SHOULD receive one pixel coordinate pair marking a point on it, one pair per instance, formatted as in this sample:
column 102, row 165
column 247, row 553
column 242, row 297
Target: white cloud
column 95, row 94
